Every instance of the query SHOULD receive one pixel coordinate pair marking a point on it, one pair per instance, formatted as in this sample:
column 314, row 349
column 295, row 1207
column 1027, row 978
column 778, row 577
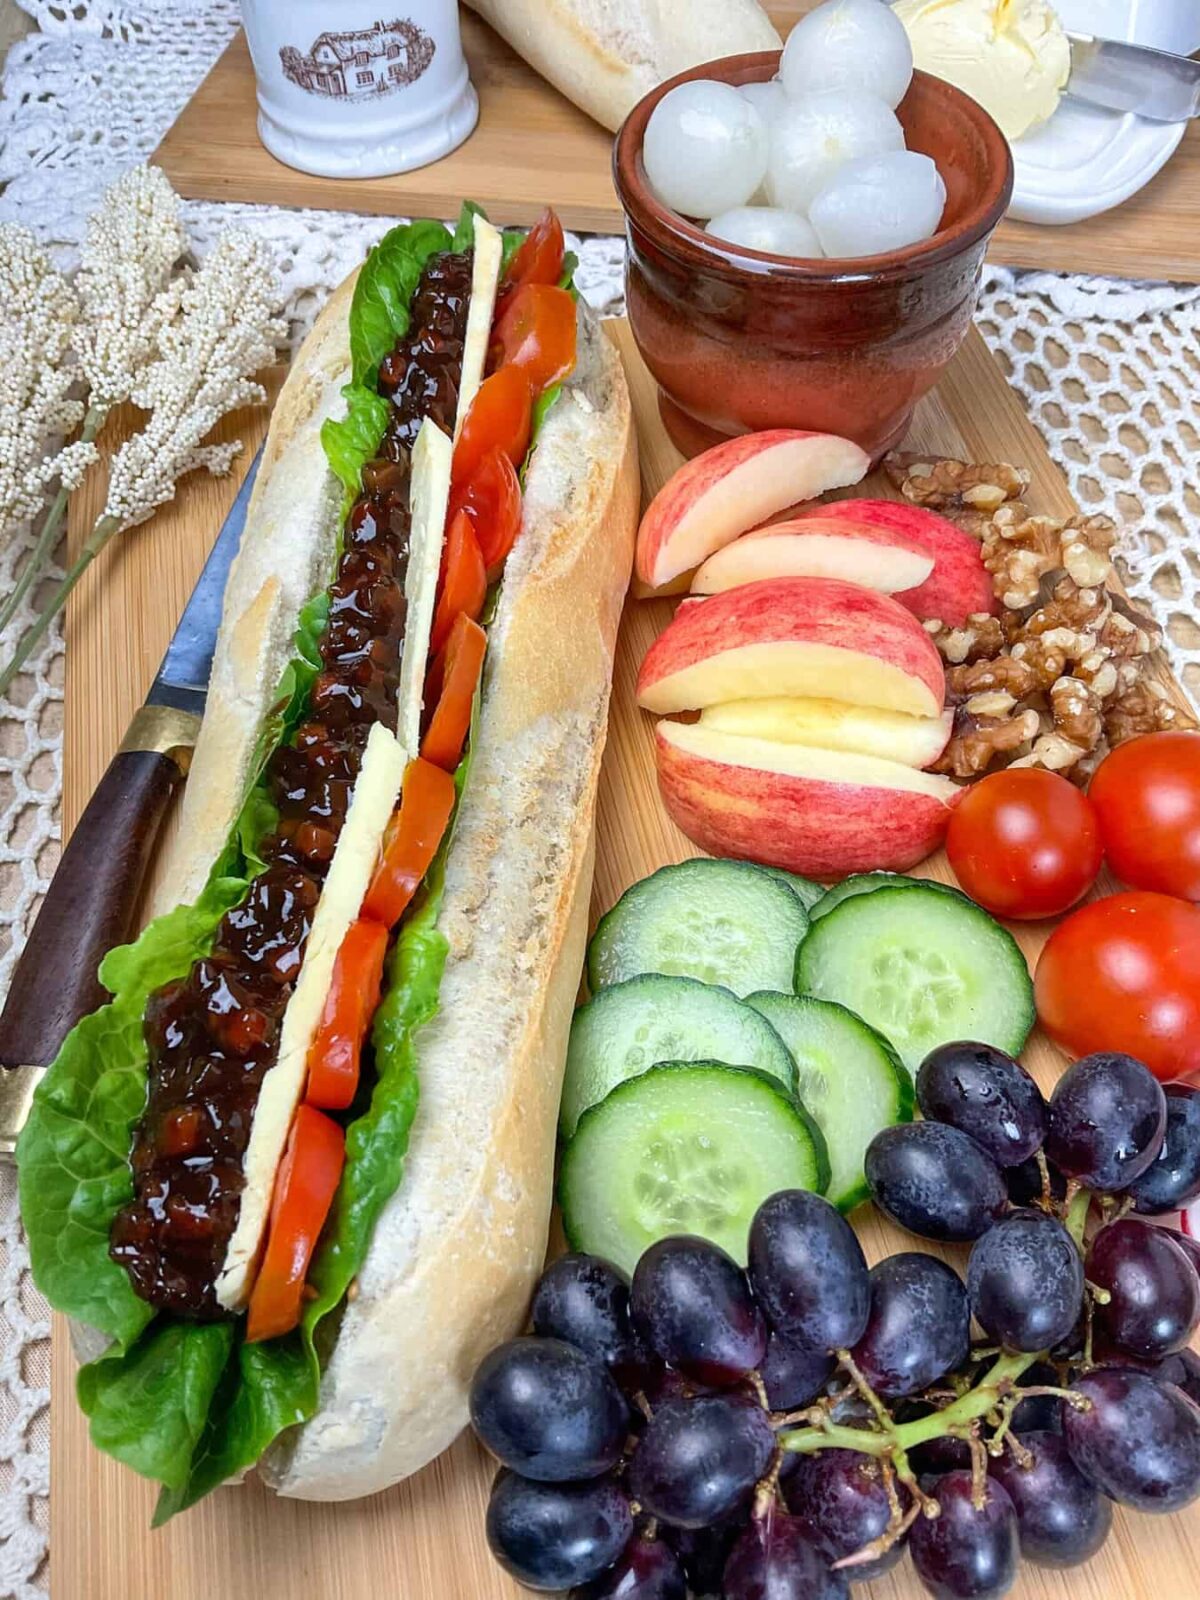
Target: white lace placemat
column 1109, row 372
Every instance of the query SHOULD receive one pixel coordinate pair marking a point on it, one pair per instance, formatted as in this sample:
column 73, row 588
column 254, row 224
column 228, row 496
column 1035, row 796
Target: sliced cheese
column 485, row 285
column 429, row 497
column 354, row 860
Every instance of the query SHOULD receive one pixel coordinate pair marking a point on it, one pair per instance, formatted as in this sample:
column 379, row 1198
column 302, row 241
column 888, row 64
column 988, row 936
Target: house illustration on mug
column 354, row 66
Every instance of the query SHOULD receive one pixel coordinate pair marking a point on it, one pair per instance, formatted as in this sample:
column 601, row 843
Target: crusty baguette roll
column 286, row 556
column 458, row 1248
column 606, row 54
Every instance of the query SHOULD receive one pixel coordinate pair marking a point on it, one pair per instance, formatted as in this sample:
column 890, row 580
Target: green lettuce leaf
column 259, row 815
column 73, row 1154
column 464, row 232
column 266, row 1388
column 511, row 241
column 351, row 441
column 150, row 1407
column 379, row 309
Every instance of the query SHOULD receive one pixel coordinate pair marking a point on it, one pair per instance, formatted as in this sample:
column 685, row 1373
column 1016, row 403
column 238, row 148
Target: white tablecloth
column 1109, row 372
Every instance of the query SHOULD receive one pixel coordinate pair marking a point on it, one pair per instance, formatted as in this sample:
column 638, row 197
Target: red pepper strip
column 305, row 1185
column 492, row 500
column 456, row 672
column 333, row 1056
column 540, row 257
column 536, row 332
column 500, row 416
column 463, row 582
column 411, row 841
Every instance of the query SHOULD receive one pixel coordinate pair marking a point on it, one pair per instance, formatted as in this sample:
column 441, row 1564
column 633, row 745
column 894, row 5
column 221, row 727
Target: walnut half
column 942, row 483
column 1062, row 674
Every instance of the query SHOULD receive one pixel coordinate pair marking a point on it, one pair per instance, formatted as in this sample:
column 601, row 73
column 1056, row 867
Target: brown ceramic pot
column 740, row 340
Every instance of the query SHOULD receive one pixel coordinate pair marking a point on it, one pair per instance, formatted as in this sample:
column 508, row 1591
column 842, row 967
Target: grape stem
column 882, row 1416
column 896, row 1439
column 1076, row 1219
column 979, row 1465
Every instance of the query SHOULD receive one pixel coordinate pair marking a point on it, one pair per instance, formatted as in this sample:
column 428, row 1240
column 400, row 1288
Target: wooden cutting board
column 424, row 1540
column 534, row 148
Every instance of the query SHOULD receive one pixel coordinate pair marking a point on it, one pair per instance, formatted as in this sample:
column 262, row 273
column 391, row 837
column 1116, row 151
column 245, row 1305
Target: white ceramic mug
column 359, row 88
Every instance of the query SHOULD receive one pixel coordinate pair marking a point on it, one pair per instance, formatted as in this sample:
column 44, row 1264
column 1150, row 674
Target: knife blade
column 93, row 895
column 1131, row 77
column 182, row 679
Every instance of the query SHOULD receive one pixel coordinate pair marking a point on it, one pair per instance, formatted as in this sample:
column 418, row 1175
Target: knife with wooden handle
column 93, row 896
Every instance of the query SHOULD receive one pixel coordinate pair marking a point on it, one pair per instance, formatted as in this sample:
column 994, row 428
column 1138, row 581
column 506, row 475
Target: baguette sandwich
column 606, row 54
column 294, row 1180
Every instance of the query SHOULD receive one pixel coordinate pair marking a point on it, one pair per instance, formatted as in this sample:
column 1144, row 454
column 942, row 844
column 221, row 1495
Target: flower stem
column 51, row 527
column 96, row 540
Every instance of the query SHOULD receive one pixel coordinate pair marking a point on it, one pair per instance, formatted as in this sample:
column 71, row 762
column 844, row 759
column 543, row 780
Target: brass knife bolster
column 165, row 731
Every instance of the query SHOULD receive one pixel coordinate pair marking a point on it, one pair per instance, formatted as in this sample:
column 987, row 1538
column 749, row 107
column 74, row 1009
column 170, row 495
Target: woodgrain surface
column 534, row 148
column 424, row 1539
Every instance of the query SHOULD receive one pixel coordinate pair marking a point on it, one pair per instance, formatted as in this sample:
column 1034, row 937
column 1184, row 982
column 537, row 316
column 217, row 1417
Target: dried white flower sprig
column 226, row 331
column 111, row 320
column 133, row 245
column 37, row 401
column 182, row 347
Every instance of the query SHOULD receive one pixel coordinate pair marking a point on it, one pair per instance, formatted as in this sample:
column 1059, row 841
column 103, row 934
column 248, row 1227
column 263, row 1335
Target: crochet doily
column 1108, row 370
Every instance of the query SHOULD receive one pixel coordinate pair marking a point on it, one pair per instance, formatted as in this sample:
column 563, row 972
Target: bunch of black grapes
column 790, row 1428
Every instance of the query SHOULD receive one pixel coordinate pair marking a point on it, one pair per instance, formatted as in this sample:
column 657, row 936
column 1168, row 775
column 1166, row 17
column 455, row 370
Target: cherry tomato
column 305, row 1185
column 500, row 416
column 492, row 500
column 462, row 586
column 333, row 1056
column 1124, row 974
column 1024, row 843
column 536, row 332
column 411, row 841
column 455, row 674
column 1147, row 796
column 540, row 257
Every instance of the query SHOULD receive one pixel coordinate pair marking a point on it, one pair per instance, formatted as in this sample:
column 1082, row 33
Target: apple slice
column 813, row 637
column 821, row 813
column 734, row 486
column 833, row 725
column 793, row 550
column 959, row 585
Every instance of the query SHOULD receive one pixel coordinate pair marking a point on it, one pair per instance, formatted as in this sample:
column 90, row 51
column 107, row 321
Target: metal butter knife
column 1132, row 77
column 93, row 895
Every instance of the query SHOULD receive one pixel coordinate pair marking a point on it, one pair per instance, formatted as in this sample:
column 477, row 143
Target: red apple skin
column 818, row 829
column 823, row 611
column 959, row 586
column 774, row 469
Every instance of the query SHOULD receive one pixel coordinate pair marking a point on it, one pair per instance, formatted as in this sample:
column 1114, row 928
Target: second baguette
column 606, row 54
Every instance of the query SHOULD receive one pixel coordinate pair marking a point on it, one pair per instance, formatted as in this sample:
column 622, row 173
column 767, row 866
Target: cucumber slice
column 684, row 1148
column 848, row 1076
column 636, row 1024
column 924, row 967
column 805, row 890
column 866, row 883
column 723, row 922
